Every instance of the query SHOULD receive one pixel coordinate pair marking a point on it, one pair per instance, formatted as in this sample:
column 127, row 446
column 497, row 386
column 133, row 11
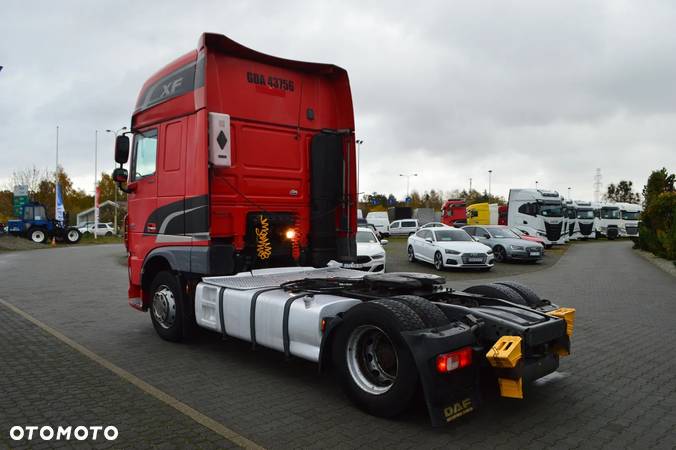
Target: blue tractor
column 36, row 226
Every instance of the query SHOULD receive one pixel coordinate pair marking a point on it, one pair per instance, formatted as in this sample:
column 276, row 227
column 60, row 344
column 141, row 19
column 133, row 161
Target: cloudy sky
column 540, row 90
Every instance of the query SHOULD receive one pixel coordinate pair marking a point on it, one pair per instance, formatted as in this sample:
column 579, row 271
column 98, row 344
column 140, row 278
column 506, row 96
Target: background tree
column 6, row 198
column 657, row 232
column 659, row 181
column 622, row 192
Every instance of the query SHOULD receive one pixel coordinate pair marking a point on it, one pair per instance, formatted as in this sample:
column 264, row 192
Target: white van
column 403, row 227
column 380, row 220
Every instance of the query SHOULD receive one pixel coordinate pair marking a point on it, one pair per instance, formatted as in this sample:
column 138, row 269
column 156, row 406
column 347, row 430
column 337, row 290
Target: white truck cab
column 539, row 209
column 584, row 223
column 607, row 220
column 629, row 219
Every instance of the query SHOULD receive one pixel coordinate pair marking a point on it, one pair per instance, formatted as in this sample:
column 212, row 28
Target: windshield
column 553, row 209
column 610, row 213
column 452, row 236
column 630, row 215
column 366, row 237
column 40, row 213
column 585, row 213
column 571, row 213
column 501, row 233
column 517, row 232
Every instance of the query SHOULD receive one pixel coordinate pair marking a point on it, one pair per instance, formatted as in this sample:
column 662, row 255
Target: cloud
column 532, row 90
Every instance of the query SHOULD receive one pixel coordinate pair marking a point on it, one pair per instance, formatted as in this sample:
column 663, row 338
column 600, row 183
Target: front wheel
column 438, row 261
column 166, row 307
column 38, row 235
column 376, row 368
column 500, row 254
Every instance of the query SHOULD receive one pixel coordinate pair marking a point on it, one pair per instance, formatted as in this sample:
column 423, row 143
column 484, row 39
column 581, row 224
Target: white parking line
column 195, row 415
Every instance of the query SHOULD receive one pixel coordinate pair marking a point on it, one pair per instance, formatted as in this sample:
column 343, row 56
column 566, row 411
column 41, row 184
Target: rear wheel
column 37, row 235
column 166, row 306
column 498, row 291
column 376, row 368
column 524, row 291
column 73, row 235
column 428, row 312
column 411, row 254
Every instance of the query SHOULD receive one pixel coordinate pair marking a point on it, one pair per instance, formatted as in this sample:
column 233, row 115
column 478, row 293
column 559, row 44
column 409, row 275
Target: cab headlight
column 489, row 252
column 451, row 252
column 378, row 256
column 517, row 247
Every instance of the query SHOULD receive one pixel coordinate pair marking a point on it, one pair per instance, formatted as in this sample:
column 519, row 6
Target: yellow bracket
column 511, row 388
column 505, row 353
column 567, row 314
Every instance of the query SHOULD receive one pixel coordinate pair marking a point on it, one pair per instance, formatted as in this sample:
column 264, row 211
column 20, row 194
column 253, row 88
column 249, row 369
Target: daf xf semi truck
column 241, row 212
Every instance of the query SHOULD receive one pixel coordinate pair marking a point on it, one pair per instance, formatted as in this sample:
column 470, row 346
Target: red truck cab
column 239, row 160
column 454, row 210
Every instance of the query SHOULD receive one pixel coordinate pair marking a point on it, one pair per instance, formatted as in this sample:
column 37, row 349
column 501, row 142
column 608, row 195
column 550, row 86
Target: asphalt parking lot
column 618, row 389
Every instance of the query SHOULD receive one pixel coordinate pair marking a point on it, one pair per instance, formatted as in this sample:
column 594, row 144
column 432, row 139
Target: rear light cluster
column 458, row 359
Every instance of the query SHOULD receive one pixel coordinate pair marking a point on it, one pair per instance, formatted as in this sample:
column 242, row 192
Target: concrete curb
column 664, row 264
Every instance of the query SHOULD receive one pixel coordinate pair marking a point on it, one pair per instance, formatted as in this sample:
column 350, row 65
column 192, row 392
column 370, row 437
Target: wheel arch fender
column 163, row 258
column 326, row 345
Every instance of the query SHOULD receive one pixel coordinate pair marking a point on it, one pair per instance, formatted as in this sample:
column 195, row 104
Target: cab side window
column 144, row 157
column 528, row 208
column 394, row 225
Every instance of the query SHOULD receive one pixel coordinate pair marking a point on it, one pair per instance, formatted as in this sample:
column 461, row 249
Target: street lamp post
column 569, row 198
column 96, row 182
column 470, row 186
column 490, row 172
column 408, row 180
column 115, row 133
column 536, row 184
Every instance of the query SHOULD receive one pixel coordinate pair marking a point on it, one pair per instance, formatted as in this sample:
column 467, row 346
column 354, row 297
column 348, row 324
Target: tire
column 376, row 368
column 73, row 235
column 166, row 306
column 497, row 291
column 438, row 261
column 109, row 233
column 37, row 235
column 411, row 254
column 524, row 291
column 428, row 312
column 500, row 254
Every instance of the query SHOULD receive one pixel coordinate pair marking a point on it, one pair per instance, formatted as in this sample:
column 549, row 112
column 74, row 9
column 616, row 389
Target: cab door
column 142, row 200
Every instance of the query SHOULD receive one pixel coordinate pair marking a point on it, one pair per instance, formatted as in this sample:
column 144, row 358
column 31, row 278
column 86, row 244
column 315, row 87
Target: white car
column 370, row 252
column 104, row 229
column 449, row 247
column 434, row 225
column 404, row 227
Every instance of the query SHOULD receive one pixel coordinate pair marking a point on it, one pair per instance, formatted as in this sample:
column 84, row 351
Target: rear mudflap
column 448, row 396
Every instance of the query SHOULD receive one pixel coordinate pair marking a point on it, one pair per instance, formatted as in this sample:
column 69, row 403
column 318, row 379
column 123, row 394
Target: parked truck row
column 535, row 212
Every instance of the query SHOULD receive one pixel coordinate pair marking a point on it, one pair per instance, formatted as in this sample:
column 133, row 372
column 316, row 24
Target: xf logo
column 169, row 88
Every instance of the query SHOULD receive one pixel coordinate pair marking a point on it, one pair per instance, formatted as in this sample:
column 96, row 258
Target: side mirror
column 121, row 149
column 429, row 240
column 384, row 242
column 120, row 175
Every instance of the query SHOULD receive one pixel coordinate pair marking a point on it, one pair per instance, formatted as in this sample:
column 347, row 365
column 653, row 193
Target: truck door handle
column 525, row 222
